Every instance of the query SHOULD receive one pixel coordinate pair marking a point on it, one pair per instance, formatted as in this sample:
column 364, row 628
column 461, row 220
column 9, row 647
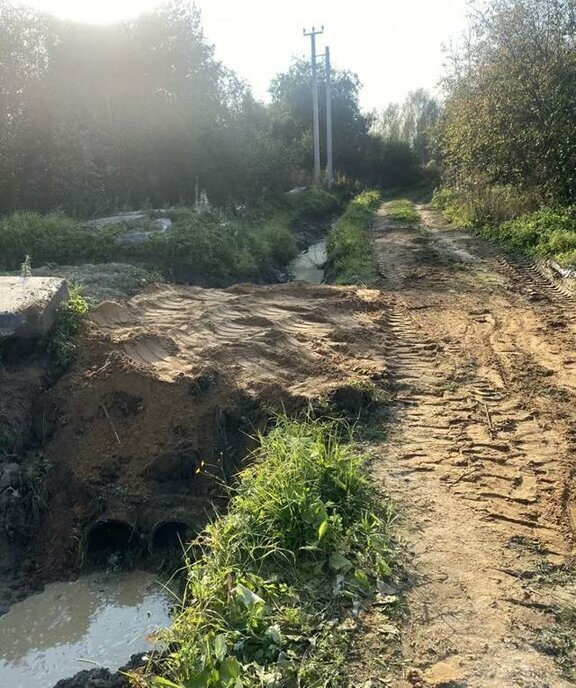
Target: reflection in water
column 102, row 619
column 309, row 266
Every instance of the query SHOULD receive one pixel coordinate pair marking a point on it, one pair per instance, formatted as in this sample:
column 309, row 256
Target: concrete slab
column 28, row 305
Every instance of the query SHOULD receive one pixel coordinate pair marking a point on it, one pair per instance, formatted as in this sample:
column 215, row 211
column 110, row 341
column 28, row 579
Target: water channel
column 309, row 266
column 100, row 620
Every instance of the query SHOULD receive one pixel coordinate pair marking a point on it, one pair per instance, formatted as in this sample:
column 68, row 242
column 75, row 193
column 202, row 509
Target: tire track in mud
column 477, row 464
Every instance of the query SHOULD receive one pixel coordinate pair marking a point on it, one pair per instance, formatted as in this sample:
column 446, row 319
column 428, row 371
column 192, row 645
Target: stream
column 100, row 620
column 309, row 266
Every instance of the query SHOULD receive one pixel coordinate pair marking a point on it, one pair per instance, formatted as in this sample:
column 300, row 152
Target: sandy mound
column 171, row 388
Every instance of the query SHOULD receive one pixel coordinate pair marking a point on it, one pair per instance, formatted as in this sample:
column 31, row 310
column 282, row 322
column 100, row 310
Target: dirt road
column 481, row 355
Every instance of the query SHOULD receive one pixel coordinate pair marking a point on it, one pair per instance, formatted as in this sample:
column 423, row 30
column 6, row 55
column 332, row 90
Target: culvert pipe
column 170, row 535
column 111, row 541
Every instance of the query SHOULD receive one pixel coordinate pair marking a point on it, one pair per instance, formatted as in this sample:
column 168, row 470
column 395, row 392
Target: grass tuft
column 402, row 210
column 62, row 345
column 351, row 257
column 305, row 542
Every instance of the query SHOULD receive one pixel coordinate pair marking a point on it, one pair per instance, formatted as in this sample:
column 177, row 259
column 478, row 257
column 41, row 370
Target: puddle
column 100, row 620
column 309, row 266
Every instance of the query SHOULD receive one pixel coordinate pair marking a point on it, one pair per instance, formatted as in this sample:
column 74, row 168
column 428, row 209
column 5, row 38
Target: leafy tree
column 509, row 115
column 411, row 122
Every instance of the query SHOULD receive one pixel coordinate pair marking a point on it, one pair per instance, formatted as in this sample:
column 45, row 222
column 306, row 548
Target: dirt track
column 481, row 353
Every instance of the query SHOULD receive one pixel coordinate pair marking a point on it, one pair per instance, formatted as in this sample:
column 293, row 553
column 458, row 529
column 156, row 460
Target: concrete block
column 29, row 305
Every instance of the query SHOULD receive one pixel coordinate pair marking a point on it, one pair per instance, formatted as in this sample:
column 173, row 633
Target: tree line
column 142, row 114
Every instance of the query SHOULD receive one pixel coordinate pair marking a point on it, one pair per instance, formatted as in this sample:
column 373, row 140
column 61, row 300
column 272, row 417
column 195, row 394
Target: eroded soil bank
column 137, row 440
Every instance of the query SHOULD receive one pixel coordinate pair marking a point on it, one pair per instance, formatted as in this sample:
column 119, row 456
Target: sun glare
column 102, row 12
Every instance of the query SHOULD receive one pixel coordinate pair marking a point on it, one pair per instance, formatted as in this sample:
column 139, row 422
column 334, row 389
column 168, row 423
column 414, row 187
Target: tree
column 509, row 114
column 411, row 122
column 291, row 112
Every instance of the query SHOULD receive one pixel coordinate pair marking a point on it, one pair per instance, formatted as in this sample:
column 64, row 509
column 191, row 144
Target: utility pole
column 316, row 121
column 329, row 150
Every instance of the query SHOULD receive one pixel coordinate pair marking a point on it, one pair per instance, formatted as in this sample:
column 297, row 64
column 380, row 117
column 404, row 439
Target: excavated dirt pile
column 160, row 410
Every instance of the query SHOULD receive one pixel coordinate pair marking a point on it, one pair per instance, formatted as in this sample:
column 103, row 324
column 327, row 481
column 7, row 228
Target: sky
column 394, row 46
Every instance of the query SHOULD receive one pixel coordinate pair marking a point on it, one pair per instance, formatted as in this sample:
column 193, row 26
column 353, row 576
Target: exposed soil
column 160, row 411
column 478, row 349
column 481, row 353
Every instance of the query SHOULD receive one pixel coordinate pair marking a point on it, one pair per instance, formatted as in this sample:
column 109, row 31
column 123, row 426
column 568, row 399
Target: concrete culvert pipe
column 169, row 536
column 108, row 542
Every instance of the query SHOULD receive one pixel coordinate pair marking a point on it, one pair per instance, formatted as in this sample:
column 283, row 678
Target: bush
column 311, row 206
column 481, row 203
column 351, row 258
column 52, row 238
column 304, row 537
column 548, row 232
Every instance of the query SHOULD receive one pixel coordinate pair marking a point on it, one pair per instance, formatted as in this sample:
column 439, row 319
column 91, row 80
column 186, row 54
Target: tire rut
column 477, row 463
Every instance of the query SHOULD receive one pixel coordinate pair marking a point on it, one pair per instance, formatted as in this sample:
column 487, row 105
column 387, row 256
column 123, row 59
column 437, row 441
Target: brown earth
column 172, row 386
column 478, row 351
column 481, row 353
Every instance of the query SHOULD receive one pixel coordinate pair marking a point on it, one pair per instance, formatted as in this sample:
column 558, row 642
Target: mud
column 481, row 354
column 96, row 621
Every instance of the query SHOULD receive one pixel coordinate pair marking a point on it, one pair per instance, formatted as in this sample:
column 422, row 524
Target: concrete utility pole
column 329, row 151
column 316, row 121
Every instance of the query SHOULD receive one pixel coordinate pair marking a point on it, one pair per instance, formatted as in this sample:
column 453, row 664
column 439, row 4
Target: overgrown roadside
column 479, row 459
column 273, row 586
column 351, row 259
column 197, row 244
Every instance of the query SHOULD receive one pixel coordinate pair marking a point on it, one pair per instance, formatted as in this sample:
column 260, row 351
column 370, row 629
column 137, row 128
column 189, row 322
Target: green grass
column 402, row 210
column 351, row 257
column 549, row 232
column 305, row 541
column 499, row 214
column 209, row 246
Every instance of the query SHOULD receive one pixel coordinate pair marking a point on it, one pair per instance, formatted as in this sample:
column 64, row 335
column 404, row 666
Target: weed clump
column 351, row 258
column 403, row 210
column 547, row 232
column 304, row 541
column 62, row 345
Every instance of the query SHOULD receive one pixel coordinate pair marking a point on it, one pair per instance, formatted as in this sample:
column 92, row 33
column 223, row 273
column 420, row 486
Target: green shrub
column 351, row 258
column 482, row 203
column 311, row 206
column 304, row 538
column 62, row 345
column 548, row 232
column 48, row 238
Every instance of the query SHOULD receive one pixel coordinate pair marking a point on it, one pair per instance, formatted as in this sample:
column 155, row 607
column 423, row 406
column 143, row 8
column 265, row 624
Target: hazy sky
column 393, row 45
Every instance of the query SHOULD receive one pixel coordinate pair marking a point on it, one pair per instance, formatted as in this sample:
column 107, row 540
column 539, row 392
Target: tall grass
column 351, row 258
column 502, row 214
column 204, row 245
column 549, row 232
column 304, row 539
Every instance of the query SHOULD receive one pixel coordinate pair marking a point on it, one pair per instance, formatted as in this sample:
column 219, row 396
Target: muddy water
column 309, row 266
column 99, row 620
